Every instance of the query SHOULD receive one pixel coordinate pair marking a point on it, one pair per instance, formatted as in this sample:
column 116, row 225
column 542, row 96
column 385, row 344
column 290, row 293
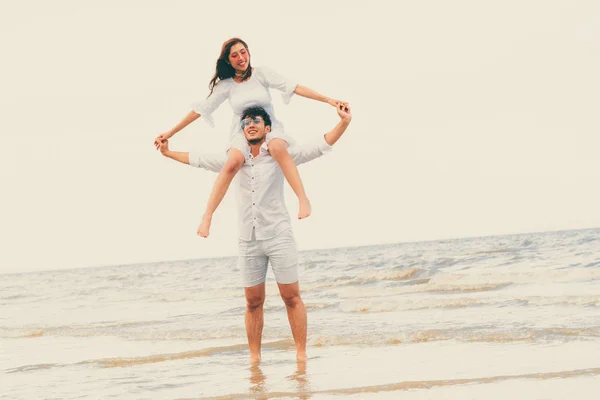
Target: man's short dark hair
column 256, row 111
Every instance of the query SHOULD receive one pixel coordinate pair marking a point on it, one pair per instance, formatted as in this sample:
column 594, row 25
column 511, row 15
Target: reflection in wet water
column 298, row 378
column 301, row 378
column 258, row 380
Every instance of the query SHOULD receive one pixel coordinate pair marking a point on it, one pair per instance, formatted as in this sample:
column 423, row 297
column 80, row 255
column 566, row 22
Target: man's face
column 255, row 129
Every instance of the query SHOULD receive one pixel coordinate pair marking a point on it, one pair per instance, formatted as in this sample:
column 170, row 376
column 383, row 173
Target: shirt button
column 253, row 204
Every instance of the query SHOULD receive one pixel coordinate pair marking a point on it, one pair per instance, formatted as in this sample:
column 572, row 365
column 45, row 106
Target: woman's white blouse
column 252, row 92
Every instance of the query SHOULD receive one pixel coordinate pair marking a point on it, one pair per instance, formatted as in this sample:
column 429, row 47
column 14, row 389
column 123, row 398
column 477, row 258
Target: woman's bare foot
column 305, row 208
column 204, row 228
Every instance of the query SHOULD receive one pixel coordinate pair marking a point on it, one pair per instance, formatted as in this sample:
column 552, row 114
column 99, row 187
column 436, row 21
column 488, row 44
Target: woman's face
column 239, row 58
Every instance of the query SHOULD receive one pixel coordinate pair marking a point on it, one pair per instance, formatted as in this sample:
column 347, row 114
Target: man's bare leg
column 278, row 150
column 290, row 293
column 255, row 298
column 235, row 160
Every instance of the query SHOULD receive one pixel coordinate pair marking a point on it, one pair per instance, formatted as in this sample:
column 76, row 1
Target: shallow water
column 467, row 318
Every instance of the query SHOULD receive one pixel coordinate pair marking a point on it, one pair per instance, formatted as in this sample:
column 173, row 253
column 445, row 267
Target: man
column 265, row 232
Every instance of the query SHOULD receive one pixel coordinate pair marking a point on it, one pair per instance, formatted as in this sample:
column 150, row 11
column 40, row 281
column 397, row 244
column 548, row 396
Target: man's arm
column 211, row 162
column 182, row 157
column 304, row 153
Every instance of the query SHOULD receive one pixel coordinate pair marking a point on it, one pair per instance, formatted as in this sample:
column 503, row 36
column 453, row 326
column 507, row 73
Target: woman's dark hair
column 224, row 70
column 256, row 111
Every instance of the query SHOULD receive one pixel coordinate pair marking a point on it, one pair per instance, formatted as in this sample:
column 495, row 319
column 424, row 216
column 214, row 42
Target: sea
column 514, row 316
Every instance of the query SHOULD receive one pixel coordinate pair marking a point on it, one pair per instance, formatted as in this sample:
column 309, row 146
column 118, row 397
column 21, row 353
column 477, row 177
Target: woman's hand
column 161, row 138
column 336, row 103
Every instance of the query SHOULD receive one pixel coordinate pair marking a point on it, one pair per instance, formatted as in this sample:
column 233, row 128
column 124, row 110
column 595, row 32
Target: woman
column 235, row 79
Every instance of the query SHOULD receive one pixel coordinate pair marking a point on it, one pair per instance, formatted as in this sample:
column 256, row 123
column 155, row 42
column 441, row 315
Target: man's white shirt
column 259, row 182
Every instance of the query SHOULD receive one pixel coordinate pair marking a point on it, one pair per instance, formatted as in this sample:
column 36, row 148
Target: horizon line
column 303, row 251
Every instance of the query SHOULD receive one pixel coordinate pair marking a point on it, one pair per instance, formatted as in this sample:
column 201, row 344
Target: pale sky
column 470, row 118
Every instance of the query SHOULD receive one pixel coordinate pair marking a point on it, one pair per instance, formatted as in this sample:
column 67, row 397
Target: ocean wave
column 418, row 281
column 361, row 304
column 496, row 251
column 463, row 335
column 587, row 240
column 128, row 330
column 586, row 301
column 458, row 285
column 375, row 306
column 28, row 368
column 154, row 358
column 468, row 288
column 119, row 362
column 443, row 303
column 394, row 275
column 594, row 264
column 592, row 332
column 389, row 275
column 486, row 280
column 570, row 274
column 318, row 306
column 176, row 296
column 522, row 335
column 16, row 296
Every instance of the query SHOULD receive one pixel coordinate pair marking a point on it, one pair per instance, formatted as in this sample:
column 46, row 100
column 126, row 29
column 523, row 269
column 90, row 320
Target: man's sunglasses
column 248, row 120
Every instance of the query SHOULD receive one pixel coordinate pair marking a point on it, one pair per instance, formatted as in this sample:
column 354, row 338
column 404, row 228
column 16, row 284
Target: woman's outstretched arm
column 203, row 109
column 311, row 94
column 188, row 119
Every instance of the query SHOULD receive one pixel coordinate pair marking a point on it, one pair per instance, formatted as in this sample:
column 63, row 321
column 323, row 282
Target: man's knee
column 291, row 300
column 254, row 302
column 277, row 147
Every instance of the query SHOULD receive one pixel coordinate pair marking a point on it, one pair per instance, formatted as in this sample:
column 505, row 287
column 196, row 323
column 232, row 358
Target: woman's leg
column 278, row 150
column 233, row 164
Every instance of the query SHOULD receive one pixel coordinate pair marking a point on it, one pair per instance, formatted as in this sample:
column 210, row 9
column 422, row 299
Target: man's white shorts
column 280, row 250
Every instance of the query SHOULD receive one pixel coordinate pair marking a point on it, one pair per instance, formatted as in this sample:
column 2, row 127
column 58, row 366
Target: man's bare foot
column 304, row 208
column 254, row 358
column 204, row 228
column 301, row 356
